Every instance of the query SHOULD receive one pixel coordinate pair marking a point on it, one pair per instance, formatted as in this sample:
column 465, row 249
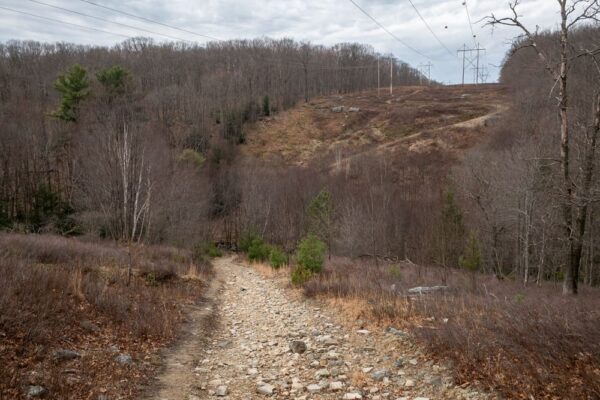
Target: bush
column 205, row 251
column 277, row 258
column 246, row 241
column 258, row 250
column 300, row 275
column 395, row 272
column 311, row 253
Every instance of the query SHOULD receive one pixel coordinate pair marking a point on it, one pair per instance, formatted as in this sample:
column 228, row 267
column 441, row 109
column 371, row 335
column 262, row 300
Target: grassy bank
column 523, row 342
column 67, row 294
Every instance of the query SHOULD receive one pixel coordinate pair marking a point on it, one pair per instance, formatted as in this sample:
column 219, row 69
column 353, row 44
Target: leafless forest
column 124, row 161
column 136, row 164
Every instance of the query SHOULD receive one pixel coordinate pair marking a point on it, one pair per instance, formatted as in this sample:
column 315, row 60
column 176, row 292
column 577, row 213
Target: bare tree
column 572, row 13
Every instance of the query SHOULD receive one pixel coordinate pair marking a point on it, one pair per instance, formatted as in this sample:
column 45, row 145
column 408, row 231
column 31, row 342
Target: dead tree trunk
column 576, row 242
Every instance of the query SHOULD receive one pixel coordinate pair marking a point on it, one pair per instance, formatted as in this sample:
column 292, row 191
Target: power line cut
column 385, row 29
column 65, row 23
column 152, row 21
column 109, row 21
column 429, row 28
column 470, row 23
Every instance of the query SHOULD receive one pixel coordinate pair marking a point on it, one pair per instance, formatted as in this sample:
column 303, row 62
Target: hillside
column 415, row 119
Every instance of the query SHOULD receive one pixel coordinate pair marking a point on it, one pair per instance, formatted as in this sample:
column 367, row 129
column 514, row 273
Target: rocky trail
column 268, row 343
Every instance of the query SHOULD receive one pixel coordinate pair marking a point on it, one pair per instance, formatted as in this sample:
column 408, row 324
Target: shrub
column 192, row 156
column 277, row 258
column 300, row 275
column 395, row 272
column 205, row 251
column 311, row 253
column 213, row 251
column 258, row 250
column 246, row 241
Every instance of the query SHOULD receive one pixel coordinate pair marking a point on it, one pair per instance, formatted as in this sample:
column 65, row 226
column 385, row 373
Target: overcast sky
column 319, row 21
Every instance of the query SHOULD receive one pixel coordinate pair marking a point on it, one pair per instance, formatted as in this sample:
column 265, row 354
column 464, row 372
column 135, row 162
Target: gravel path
column 269, row 344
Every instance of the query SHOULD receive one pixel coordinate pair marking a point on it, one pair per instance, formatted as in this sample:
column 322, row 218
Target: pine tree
column 74, row 86
column 320, row 216
column 266, row 106
column 450, row 233
column 114, row 80
column 471, row 259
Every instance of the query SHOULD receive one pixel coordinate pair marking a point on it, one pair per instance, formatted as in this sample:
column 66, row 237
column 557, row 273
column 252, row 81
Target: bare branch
column 514, row 21
column 591, row 11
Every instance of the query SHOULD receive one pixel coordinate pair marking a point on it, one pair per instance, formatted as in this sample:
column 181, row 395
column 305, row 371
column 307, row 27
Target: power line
column 152, row 21
column 430, row 30
column 313, row 66
column 470, row 23
column 109, row 21
column 385, row 29
column 65, row 23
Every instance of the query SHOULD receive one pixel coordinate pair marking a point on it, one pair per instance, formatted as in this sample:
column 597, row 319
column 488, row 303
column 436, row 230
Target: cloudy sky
column 319, row 21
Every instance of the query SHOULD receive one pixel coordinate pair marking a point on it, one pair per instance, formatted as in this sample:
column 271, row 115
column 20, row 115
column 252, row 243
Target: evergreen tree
column 320, row 216
column 114, row 80
column 449, row 234
column 471, row 259
column 74, row 87
column 266, row 106
column 311, row 254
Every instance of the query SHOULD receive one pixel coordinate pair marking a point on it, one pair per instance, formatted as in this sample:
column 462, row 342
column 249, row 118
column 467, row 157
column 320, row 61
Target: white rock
column 322, row 373
column 313, row 388
column 266, row 389
column 335, row 386
column 352, row 396
column 214, row 382
column 221, row 391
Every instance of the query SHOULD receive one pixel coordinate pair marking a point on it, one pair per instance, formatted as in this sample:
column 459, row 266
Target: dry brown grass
column 51, row 285
column 311, row 130
column 523, row 342
column 267, row 271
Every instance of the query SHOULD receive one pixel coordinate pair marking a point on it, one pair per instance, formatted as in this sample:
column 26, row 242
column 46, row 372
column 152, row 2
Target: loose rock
column 62, row 354
column 36, row 391
column 298, row 346
column 123, row 359
column 221, row 391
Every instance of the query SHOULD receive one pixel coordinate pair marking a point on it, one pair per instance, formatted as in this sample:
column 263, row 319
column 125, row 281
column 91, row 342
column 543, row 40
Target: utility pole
column 464, row 51
column 423, row 66
column 471, row 56
column 391, row 75
column 378, row 80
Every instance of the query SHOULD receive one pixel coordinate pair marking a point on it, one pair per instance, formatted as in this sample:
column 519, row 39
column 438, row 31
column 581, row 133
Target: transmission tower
column 471, row 56
column 422, row 68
